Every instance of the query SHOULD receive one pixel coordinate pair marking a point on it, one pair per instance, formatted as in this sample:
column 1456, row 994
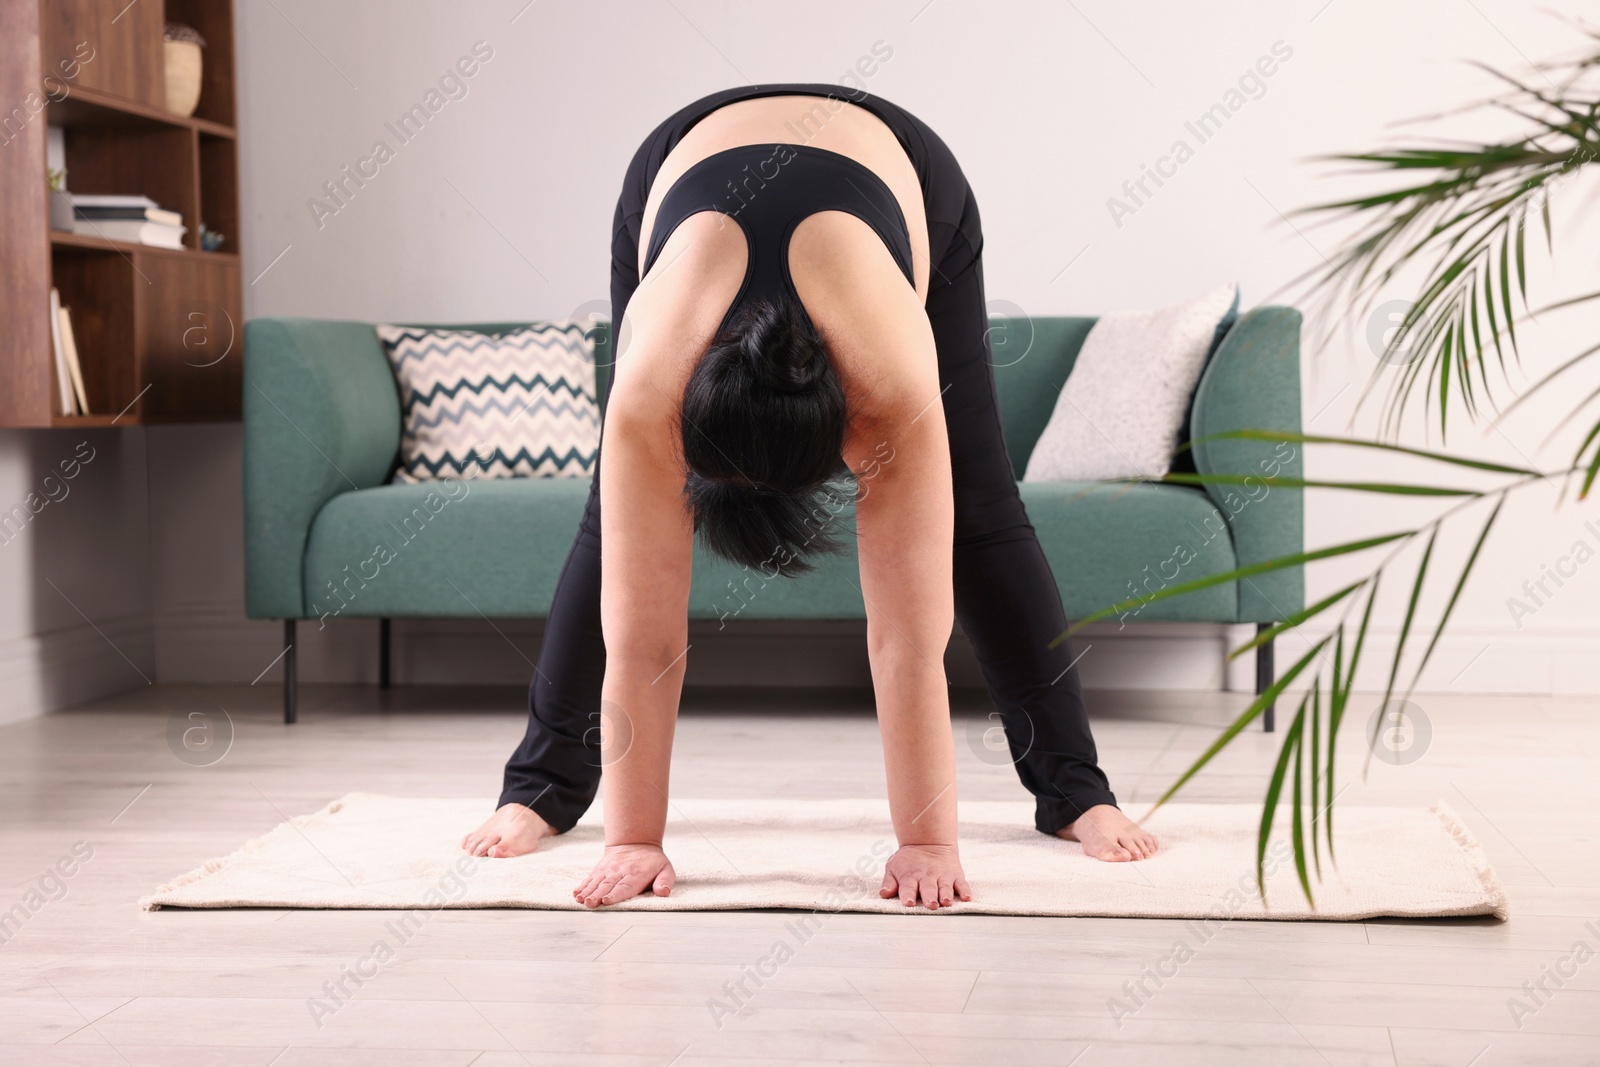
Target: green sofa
column 327, row 536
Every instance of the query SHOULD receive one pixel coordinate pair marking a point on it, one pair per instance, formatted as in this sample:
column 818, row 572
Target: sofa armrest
column 1253, row 383
column 321, row 417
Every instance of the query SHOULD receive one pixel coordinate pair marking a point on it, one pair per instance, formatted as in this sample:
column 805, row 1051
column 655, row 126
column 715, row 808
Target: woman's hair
column 763, row 424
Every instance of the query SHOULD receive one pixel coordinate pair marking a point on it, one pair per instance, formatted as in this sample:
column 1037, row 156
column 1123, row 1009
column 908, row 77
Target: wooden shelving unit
column 159, row 331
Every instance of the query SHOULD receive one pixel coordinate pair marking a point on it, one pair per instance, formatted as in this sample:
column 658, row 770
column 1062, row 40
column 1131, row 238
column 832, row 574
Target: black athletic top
column 769, row 189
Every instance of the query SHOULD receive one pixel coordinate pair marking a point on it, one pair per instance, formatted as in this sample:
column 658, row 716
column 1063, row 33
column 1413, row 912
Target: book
column 69, row 345
column 145, row 233
column 142, row 214
column 111, row 200
column 63, row 376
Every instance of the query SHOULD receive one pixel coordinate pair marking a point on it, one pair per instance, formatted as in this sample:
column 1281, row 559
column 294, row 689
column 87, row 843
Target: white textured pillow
column 1122, row 408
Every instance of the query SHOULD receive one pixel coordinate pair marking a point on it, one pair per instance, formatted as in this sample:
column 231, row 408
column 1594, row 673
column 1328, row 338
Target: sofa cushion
column 521, row 404
column 728, row 592
column 1109, row 542
column 495, row 548
column 397, row 549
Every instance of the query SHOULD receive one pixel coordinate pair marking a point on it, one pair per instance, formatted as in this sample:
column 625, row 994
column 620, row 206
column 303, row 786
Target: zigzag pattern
column 421, row 347
column 517, row 405
column 583, row 411
column 522, row 464
column 535, row 386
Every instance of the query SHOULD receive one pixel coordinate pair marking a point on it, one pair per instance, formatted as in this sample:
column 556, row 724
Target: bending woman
column 797, row 290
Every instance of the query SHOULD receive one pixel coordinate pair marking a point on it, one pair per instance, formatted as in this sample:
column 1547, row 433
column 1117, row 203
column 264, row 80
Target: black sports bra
column 769, row 189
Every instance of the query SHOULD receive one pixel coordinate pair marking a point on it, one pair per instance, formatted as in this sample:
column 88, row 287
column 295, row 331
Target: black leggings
column 1005, row 595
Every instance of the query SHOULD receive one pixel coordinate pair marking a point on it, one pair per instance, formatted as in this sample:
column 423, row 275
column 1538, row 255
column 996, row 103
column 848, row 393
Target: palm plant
column 1459, row 215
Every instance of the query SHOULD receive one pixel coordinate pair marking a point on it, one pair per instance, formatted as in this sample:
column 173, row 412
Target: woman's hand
column 626, row 871
column 929, row 873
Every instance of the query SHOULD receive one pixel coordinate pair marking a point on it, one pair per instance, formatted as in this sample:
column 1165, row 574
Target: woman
column 797, row 275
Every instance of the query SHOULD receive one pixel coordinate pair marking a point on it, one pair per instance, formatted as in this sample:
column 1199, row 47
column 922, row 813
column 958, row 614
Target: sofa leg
column 289, row 680
column 1265, row 677
column 383, row 653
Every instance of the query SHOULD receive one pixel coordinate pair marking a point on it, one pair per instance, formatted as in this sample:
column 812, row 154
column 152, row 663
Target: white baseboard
column 204, row 646
column 215, row 644
column 1480, row 660
column 42, row 672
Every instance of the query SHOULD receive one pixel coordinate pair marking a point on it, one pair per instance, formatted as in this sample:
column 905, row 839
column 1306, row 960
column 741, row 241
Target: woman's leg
column 1006, row 596
column 556, row 769
column 1005, row 593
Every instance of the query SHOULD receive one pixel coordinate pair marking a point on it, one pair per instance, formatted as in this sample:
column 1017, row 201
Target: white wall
column 75, row 617
column 501, row 209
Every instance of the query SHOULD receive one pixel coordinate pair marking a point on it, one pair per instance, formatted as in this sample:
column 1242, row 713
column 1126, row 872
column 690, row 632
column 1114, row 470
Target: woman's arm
column 646, row 558
column 646, row 545
column 646, row 541
column 905, row 515
column 904, row 523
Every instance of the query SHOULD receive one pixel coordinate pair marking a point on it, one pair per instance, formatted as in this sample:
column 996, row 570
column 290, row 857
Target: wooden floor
column 89, row 980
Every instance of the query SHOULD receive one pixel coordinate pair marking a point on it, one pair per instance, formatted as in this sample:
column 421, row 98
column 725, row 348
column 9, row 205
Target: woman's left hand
column 624, row 872
column 929, row 874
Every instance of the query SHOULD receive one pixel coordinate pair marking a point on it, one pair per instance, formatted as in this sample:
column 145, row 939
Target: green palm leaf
column 1291, row 749
column 1289, row 437
column 1405, row 632
column 1245, row 719
column 1249, row 571
column 1458, row 215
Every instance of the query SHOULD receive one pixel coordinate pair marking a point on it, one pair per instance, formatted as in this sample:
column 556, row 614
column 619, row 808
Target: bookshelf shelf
column 86, row 420
column 102, row 421
column 158, row 330
column 62, row 239
column 84, row 107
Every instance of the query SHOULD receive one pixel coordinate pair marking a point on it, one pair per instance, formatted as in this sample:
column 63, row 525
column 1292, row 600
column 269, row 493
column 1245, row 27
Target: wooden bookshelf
column 159, row 331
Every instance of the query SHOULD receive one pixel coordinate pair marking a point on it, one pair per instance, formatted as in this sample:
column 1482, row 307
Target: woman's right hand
column 927, row 874
column 625, row 871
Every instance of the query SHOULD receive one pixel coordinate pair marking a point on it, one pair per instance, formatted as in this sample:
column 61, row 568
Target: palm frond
column 1458, row 214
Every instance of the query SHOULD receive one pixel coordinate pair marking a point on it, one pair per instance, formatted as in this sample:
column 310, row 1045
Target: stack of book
column 69, row 371
column 127, row 218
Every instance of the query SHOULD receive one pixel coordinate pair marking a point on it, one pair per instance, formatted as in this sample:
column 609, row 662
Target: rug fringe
column 152, row 902
column 1479, row 859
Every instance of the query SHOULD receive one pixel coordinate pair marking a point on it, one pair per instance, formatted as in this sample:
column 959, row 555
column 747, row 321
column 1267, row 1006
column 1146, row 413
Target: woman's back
column 818, row 122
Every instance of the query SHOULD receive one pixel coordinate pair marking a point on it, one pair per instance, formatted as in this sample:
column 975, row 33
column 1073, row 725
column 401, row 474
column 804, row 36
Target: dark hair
column 763, row 424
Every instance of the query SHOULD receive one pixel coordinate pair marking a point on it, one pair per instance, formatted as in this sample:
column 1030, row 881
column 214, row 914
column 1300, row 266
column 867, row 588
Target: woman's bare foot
column 1107, row 834
column 513, row 830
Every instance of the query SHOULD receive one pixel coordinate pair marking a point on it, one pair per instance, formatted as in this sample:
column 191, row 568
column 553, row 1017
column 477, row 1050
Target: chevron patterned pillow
column 514, row 405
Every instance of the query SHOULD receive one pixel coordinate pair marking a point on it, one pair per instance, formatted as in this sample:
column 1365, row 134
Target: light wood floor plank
column 89, row 980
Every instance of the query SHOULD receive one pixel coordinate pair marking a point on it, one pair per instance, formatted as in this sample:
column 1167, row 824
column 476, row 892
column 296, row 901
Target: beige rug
column 370, row 851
